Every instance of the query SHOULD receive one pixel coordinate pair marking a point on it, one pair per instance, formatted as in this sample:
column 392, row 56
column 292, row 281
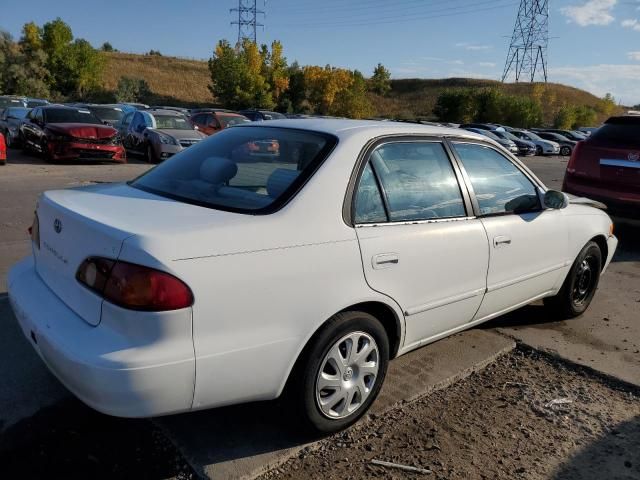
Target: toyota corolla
column 219, row 277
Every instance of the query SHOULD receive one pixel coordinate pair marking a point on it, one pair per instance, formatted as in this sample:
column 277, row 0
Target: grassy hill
column 184, row 82
column 176, row 80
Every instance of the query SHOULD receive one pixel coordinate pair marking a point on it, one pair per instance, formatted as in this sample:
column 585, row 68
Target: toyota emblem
column 634, row 156
column 57, row 225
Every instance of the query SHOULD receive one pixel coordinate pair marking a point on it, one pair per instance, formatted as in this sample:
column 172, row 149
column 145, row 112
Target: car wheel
column 150, row 156
column 539, row 151
column 341, row 371
column 44, row 153
column 581, row 284
column 565, row 151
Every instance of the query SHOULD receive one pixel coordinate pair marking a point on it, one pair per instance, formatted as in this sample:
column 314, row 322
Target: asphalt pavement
column 244, row 440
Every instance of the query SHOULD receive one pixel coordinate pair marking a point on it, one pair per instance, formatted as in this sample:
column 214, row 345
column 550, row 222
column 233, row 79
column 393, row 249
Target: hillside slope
column 184, row 82
column 176, row 80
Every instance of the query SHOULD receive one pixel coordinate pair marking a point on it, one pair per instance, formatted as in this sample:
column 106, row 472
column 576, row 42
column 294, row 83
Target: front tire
column 341, row 371
column 565, row 151
column 581, row 284
column 539, row 151
column 150, row 156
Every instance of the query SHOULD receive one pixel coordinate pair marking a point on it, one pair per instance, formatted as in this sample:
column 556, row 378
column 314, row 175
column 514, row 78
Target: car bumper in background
column 111, row 368
column 91, row 152
column 618, row 201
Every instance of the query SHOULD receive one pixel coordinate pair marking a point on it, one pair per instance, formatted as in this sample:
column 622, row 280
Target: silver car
column 159, row 134
column 543, row 147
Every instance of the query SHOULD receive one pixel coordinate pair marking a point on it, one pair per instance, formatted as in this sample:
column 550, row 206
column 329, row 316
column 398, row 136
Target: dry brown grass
column 180, row 79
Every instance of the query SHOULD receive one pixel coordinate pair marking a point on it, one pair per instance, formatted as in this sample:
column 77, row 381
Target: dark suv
column 261, row 115
column 606, row 166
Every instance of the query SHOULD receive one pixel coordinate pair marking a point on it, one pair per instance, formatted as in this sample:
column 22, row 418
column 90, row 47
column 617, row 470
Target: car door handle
column 501, row 240
column 384, row 260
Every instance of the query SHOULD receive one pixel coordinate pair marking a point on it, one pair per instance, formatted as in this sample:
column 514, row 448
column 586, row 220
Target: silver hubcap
column 347, row 375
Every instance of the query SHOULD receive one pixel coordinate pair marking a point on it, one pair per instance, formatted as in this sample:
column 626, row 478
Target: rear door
column 419, row 244
column 528, row 245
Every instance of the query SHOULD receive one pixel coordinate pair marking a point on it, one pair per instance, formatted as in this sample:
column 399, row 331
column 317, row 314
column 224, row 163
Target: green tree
column 107, row 47
column 56, row 38
column 456, row 106
column 353, row 102
column 22, row 67
column 132, row 90
column 565, row 118
column 585, row 116
column 380, row 81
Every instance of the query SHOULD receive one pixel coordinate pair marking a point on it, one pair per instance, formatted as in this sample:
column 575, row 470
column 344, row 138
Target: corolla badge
column 57, row 225
column 634, row 156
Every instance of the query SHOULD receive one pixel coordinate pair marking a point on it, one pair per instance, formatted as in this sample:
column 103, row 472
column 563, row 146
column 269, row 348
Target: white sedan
column 227, row 275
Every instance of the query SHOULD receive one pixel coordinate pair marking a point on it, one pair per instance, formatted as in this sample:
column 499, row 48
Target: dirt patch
column 525, row 416
column 70, row 440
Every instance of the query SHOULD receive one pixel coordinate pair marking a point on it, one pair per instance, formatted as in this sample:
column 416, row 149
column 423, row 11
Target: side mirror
column 556, row 200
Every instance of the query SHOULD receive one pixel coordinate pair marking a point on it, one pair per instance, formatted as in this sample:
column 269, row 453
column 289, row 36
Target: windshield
column 17, row 112
column 109, row 114
column 10, row 102
column 530, row 136
column 36, row 103
column 172, row 122
column 491, row 135
column 230, row 120
column 70, row 115
column 245, row 169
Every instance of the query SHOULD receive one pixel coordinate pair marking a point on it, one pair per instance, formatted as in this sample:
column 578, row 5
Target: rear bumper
column 624, row 204
column 111, row 372
column 76, row 151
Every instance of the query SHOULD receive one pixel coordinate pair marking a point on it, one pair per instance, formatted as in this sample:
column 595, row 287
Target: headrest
column 280, row 180
column 218, row 170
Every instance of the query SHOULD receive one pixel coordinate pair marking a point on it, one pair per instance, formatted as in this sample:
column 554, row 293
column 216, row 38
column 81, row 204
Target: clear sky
column 595, row 44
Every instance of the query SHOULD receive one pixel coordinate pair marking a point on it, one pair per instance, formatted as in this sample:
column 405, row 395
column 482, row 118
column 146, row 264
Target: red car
column 606, row 166
column 3, row 150
column 62, row 133
column 215, row 120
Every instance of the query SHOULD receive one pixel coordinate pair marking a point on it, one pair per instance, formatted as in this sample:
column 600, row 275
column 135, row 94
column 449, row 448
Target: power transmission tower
column 247, row 20
column 527, row 57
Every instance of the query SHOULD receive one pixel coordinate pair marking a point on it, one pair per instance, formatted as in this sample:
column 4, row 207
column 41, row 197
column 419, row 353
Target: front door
column 527, row 243
column 419, row 244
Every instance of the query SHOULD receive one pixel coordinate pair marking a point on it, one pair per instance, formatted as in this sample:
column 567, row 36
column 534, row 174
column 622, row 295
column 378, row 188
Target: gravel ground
column 525, row 416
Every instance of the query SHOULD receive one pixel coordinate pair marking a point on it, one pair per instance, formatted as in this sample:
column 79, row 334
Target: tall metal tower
column 247, row 20
column 527, row 57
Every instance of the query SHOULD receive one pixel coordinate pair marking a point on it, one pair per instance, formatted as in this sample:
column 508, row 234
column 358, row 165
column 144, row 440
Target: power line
column 527, row 55
column 452, row 11
column 247, row 21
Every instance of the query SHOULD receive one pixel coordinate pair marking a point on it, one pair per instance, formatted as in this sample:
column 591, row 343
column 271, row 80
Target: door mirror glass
column 556, row 200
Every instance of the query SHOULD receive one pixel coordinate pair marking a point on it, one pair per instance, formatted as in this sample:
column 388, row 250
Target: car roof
column 162, row 111
column 346, row 127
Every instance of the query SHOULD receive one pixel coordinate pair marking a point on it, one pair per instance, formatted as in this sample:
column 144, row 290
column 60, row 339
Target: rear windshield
column 243, row 169
column 70, row 115
column 17, row 112
column 111, row 114
column 626, row 134
column 230, row 120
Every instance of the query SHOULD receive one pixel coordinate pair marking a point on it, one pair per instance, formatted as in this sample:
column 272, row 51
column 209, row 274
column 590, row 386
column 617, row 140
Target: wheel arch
column 601, row 241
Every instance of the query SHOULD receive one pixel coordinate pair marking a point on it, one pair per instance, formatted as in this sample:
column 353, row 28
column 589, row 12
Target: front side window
column 418, row 181
column 500, row 187
column 246, row 169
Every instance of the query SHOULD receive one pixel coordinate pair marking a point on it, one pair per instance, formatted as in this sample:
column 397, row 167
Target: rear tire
column 565, row 151
column 539, row 151
column 329, row 394
column 150, row 156
column 580, row 286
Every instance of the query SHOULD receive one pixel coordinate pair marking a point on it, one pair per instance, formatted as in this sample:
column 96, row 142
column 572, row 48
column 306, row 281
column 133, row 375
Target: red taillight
column 134, row 286
column 571, row 166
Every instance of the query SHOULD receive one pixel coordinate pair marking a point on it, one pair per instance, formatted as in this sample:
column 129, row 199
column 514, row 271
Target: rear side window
column 418, row 181
column 500, row 187
column 248, row 169
column 368, row 202
column 623, row 134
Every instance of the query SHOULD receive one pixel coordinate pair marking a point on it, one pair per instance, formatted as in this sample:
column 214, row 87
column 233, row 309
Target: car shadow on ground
column 628, row 233
column 612, row 456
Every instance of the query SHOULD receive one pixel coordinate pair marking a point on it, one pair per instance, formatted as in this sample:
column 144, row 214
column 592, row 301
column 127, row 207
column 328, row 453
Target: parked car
column 261, row 115
column 566, row 145
column 210, row 281
column 214, row 121
column 3, row 151
column 606, row 166
column 570, row 134
column 587, row 130
column 478, row 126
column 508, row 144
column 36, row 102
column 185, row 111
column 525, row 147
column 109, row 114
column 159, row 134
column 7, row 101
column 11, row 119
column 136, row 106
column 60, row 133
column 543, row 147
